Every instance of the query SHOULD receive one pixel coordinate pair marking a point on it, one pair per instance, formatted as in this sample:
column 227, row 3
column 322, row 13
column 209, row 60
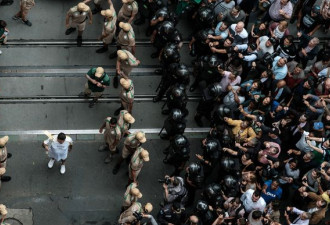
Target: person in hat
column 97, row 81
column 25, row 6
column 109, row 28
column 131, row 195
column 112, row 137
column 4, row 155
column 270, row 135
column 58, row 147
column 125, row 39
column 265, row 45
column 127, row 217
column 76, row 17
column 128, row 11
column 124, row 122
column 131, row 143
column 126, row 95
column 3, row 213
column 139, row 157
column 125, row 63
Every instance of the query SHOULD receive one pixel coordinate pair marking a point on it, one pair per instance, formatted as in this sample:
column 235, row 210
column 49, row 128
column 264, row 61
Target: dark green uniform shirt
column 105, row 80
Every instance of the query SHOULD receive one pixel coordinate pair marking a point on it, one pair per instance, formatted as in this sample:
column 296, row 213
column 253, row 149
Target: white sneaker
column 0, row 52
column 51, row 163
column 62, row 170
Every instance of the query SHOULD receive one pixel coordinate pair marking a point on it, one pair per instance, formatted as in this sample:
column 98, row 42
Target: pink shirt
column 225, row 81
column 274, row 10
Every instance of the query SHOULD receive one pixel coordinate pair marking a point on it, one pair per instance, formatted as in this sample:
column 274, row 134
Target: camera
column 166, row 181
column 304, row 180
column 138, row 217
column 269, row 58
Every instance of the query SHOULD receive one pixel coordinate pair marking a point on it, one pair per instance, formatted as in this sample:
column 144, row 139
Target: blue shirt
column 270, row 193
column 218, row 32
column 279, row 72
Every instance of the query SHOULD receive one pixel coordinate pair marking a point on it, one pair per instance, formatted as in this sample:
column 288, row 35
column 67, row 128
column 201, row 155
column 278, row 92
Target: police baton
column 161, row 130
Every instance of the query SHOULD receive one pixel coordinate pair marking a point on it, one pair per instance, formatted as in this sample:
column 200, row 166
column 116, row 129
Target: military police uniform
column 129, row 9
column 112, row 135
column 126, row 37
column 125, row 63
column 124, row 121
column 127, row 216
column 78, row 18
column 25, row 6
column 109, row 25
column 3, row 211
column 126, row 95
column 134, row 168
column 131, row 195
column 3, row 158
column 132, row 142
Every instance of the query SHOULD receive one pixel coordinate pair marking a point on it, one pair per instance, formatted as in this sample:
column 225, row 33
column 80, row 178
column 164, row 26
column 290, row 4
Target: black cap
column 275, row 131
column 272, row 40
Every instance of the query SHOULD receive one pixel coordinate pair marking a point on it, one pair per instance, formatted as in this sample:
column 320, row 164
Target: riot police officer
column 174, row 124
column 147, row 9
column 230, row 186
column 203, row 19
column 204, row 213
column 163, row 14
column 208, row 72
column 211, row 155
column 194, row 180
column 199, row 44
column 206, row 104
column 219, row 114
column 176, row 98
column 177, row 73
column 169, row 54
column 177, row 154
column 212, row 195
column 165, row 33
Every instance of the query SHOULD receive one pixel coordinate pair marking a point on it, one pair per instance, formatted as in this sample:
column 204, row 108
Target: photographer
column 174, row 215
column 174, row 190
column 135, row 213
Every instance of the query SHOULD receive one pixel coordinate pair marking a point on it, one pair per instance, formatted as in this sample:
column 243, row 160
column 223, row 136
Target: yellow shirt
column 240, row 134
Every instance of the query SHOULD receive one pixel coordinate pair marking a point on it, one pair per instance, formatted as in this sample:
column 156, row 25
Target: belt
column 3, row 160
column 126, row 15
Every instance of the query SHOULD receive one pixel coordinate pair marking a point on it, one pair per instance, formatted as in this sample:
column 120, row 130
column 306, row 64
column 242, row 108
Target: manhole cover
column 12, row 221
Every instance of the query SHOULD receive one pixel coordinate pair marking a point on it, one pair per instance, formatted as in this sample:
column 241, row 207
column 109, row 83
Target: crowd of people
column 264, row 92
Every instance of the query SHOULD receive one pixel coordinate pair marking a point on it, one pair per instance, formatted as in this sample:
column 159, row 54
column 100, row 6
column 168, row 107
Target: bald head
column 239, row 27
column 193, row 219
column 327, row 83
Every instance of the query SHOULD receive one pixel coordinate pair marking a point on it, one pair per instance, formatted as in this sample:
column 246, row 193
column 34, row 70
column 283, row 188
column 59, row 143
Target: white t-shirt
column 249, row 205
column 56, row 150
column 263, row 47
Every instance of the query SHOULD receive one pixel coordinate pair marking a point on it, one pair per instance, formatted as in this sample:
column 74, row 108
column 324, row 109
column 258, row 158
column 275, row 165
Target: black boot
column 158, row 71
column 165, row 111
column 156, row 99
column 7, row 2
column 113, row 55
column 5, row 178
column 164, row 136
column 116, row 169
column 198, row 120
column 102, row 50
column 93, row 103
column 79, row 41
column 97, row 9
column 70, row 30
column 139, row 21
column 115, row 81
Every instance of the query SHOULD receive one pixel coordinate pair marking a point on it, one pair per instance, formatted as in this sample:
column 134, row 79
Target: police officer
column 131, row 143
column 199, row 44
column 132, row 194
column 206, row 104
column 203, row 212
column 128, row 11
column 124, row 65
column 177, row 73
column 112, row 137
column 97, row 81
column 212, row 195
column 177, row 154
column 203, row 19
column 128, row 216
column 219, row 114
column 138, row 158
column 125, row 39
column 147, row 9
column 163, row 14
column 165, row 33
column 76, row 17
column 124, row 122
column 4, row 155
column 176, row 98
column 208, row 73
column 194, row 180
column 126, row 96
column 109, row 28
column 211, row 155
column 171, row 215
column 97, row 4
column 174, row 124
column 169, row 54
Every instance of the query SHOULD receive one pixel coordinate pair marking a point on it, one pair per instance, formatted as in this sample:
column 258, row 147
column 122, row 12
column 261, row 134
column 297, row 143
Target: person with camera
column 265, row 45
column 302, row 219
column 135, row 213
column 317, row 206
column 174, row 191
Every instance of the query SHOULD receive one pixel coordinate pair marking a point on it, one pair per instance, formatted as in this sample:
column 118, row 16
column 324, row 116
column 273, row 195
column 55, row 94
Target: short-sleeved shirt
column 3, row 210
column 105, row 80
column 126, row 38
column 130, row 9
column 57, row 150
column 279, row 72
column 76, row 16
column 127, row 95
column 131, row 141
column 27, row 4
column 124, row 126
column 136, row 161
column 270, row 193
column 275, row 8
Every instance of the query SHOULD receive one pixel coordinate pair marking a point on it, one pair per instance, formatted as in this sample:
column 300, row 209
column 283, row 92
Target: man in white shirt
column 264, row 45
column 58, row 147
column 252, row 200
column 302, row 219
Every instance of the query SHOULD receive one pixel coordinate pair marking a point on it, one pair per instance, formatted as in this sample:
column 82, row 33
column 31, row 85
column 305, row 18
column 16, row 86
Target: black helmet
column 202, row 206
column 218, row 201
column 162, row 12
column 227, row 163
column 205, row 14
column 180, row 141
column 194, row 168
column 167, row 27
column 253, row 46
column 230, row 181
column 182, row 71
column 203, row 34
column 221, row 112
column 211, row 145
column 215, row 90
column 226, row 139
column 171, row 51
column 177, row 92
column 184, row 151
column 176, row 115
column 214, row 61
